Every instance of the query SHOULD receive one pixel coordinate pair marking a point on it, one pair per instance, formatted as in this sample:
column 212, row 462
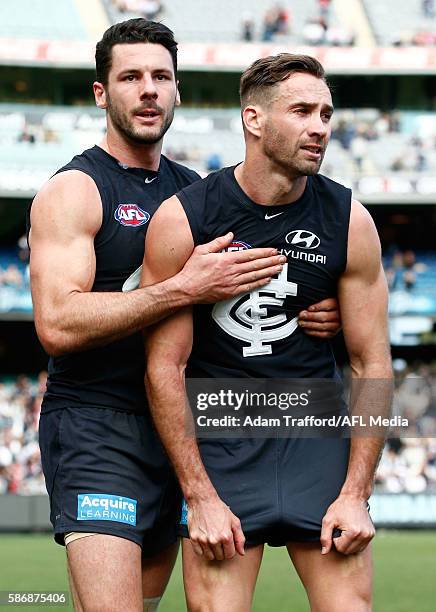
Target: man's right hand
column 211, row 276
column 214, row 530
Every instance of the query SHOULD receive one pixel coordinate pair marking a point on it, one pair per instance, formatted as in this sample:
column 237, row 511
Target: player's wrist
column 199, row 494
column 178, row 291
column 361, row 495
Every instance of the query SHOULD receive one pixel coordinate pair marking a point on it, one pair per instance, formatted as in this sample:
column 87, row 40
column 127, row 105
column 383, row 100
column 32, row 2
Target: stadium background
column 381, row 60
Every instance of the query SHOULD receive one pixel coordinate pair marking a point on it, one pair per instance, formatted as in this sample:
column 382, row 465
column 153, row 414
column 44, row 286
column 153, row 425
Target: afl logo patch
column 131, row 214
column 237, row 245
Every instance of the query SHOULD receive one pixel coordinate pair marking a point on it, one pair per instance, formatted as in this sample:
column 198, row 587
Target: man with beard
column 308, row 494
column 113, row 496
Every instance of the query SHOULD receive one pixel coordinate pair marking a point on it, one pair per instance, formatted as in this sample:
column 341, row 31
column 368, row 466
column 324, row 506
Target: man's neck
column 133, row 155
column 266, row 184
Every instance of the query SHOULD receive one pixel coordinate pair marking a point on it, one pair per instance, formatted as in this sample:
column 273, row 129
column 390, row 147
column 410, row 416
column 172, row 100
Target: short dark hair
column 129, row 32
column 259, row 78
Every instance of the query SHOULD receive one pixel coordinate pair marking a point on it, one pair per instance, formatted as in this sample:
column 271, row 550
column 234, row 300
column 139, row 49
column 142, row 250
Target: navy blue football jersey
column 113, row 375
column 257, row 334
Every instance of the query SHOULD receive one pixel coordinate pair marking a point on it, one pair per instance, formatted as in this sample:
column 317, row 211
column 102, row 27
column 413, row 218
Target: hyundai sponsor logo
column 303, row 239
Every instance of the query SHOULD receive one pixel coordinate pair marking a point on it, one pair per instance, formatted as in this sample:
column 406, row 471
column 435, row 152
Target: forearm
column 364, row 457
column 371, row 398
column 173, row 420
column 85, row 320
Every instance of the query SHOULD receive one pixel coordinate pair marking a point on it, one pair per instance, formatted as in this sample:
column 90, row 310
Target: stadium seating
column 405, row 149
column 41, row 19
column 222, row 21
column 397, row 22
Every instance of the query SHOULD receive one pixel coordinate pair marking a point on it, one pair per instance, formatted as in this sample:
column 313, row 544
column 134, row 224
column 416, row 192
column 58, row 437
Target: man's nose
column 148, row 87
column 318, row 126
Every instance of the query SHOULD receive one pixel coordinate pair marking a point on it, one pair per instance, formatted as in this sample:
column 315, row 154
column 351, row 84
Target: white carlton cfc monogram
column 251, row 323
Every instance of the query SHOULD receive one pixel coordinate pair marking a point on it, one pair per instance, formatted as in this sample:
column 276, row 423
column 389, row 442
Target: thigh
column 106, row 573
column 156, row 571
column 213, row 586
column 334, row 582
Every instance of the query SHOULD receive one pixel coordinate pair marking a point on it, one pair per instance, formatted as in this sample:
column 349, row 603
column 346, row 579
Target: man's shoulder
column 206, row 183
column 86, row 159
column 326, row 182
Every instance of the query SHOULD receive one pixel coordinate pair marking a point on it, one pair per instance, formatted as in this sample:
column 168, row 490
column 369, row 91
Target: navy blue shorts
column 106, row 472
column 280, row 489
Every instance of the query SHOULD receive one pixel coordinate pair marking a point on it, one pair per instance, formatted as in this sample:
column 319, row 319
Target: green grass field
column 405, row 574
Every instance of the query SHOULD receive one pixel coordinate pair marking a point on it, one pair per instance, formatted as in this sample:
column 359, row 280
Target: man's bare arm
column 214, row 530
column 363, row 298
column 66, row 215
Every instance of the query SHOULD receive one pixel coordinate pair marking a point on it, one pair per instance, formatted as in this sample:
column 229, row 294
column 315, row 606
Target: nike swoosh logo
column 149, row 180
column 267, row 216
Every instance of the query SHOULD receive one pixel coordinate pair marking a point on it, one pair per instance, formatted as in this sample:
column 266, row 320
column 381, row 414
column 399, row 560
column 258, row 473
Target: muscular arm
column 363, row 298
column 213, row 529
column 66, row 215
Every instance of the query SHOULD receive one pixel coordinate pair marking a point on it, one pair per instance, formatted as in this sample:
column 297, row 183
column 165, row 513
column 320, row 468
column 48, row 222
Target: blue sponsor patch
column 105, row 507
column 184, row 517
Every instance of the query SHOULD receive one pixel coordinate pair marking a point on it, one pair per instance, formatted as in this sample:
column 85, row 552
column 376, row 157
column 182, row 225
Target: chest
column 129, row 204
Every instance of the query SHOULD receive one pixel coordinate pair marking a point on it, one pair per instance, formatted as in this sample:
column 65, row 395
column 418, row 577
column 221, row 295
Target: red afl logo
column 237, row 245
column 131, row 214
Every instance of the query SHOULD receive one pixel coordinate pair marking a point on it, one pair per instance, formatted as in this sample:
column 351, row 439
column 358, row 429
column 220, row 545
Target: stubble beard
column 276, row 148
column 142, row 136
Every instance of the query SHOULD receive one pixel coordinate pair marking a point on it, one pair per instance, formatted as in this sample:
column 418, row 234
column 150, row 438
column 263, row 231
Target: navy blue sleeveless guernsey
column 113, row 375
column 256, row 334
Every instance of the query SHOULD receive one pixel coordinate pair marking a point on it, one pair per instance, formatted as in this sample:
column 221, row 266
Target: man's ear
column 177, row 94
column 253, row 118
column 99, row 94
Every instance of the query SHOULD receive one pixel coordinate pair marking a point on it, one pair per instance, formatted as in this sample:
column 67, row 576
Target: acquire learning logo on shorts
column 105, row 507
column 131, row 214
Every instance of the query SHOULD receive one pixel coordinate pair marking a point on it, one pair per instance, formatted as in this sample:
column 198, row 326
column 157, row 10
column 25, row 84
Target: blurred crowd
column 33, row 134
column 276, row 23
column 318, row 29
column 408, row 463
column 20, row 460
column 423, row 35
column 148, row 9
column 402, row 270
column 11, row 276
column 356, row 133
column 13, row 266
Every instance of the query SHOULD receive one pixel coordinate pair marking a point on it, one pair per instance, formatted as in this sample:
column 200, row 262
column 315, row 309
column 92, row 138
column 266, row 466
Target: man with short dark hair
column 309, row 494
column 113, row 496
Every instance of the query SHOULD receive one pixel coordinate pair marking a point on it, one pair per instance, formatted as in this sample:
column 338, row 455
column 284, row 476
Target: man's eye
column 301, row 111
column 129, row 77
column 161, row 77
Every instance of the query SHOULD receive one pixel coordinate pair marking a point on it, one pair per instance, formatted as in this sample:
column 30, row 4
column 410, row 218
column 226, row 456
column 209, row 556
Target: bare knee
column 214, row 586
column 358, row 599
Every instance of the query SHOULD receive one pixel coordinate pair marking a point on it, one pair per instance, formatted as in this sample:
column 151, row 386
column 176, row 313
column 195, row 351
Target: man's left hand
column 322, row 320
column 351, row 516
